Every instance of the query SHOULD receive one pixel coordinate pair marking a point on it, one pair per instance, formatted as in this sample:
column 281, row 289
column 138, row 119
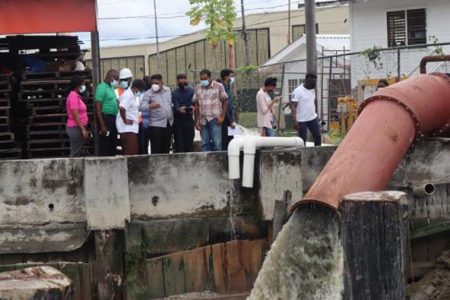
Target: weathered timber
column 374, row 234
column 280, row 213
column 109, row 273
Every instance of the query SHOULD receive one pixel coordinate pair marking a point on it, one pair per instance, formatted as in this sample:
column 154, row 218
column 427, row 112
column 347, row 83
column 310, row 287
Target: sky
column 123, row 22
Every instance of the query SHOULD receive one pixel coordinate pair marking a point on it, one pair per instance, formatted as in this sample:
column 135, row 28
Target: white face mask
column 155, row 87
column 232, row 80
column 82, row 88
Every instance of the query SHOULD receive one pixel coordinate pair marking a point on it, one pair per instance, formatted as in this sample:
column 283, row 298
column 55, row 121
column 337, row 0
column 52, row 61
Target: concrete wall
column 53, row 204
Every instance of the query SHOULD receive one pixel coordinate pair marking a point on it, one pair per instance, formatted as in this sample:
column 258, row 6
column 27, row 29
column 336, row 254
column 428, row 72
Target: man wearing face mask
column 210, row 110
column 158, row 101
column 127, row 121
column 125, row 78
column 184, row 122
column 304, row 110
column 227, row 78
column 106, row 109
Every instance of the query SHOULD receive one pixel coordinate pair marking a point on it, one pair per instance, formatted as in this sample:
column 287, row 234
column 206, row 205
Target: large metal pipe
column 389, row 122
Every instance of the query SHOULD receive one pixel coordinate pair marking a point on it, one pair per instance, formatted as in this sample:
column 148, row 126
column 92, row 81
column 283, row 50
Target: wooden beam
column 374, row 235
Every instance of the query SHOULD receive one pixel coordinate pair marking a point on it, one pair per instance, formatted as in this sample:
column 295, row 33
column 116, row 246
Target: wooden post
column 109, row 265
column 374, row 234
column 280, row 213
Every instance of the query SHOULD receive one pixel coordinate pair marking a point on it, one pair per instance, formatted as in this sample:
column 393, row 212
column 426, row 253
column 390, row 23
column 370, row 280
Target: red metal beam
column 47, row 16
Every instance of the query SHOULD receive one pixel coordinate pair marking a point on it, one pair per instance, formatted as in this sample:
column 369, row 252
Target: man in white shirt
column 127, row 121
column 304, row 110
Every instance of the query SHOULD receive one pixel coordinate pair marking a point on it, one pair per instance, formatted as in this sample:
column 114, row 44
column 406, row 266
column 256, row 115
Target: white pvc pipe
column 250, row 146
column 234, row 150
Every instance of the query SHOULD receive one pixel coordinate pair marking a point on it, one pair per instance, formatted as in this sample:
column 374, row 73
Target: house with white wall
column 397, row 23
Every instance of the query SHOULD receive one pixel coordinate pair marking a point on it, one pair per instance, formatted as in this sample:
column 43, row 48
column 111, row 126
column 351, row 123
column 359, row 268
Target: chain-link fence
column 338, row 75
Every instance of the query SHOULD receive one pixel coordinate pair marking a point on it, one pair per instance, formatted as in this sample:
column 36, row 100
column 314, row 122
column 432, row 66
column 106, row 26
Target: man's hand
column 103, row 130
column 220, row 120
column 198, row 126
column 128, row 122
column 295, row 125
column 233, row 125
column 183, row 110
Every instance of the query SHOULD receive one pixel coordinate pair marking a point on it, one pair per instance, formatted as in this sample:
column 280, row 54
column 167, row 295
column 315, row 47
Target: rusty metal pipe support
column 427, row 59
column 388, row 124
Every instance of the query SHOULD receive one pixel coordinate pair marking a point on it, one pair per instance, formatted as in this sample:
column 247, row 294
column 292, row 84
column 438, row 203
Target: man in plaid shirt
column 211, row 102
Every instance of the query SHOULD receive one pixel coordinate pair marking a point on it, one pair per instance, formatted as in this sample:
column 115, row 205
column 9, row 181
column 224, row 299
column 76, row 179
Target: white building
column 393, row 23
column 293, row 58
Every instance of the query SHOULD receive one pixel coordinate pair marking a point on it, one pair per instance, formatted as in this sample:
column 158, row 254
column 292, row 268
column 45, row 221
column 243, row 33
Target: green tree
column 219, row 15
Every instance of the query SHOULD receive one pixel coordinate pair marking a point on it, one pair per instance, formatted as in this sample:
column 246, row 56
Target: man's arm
column 224, row 98
column 99, row 96
column 195, row 98
column 294, row 106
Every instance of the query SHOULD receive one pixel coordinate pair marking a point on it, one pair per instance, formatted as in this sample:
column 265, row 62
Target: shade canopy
column 46, row 16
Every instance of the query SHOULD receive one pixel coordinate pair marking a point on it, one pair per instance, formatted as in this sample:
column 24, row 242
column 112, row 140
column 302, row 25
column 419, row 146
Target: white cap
column 125, row 73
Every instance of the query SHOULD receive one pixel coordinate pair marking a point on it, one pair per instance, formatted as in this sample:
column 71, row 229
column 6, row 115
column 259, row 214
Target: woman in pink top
column 77, row 118
column 264, row 105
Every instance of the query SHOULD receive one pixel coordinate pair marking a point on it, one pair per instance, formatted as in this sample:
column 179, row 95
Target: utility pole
column 289, row 23
column 158, row 60
column 310, row 28
column 244, row 35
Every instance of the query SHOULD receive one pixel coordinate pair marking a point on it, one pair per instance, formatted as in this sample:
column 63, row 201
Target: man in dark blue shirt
column 184, row 121
column 227, row 79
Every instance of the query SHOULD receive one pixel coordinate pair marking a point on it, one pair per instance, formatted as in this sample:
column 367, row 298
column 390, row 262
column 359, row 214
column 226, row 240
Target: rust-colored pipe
column 388, row 124
column 427, row 59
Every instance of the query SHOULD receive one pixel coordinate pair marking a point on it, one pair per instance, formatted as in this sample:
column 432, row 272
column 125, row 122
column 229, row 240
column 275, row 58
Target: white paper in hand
column 234, row 131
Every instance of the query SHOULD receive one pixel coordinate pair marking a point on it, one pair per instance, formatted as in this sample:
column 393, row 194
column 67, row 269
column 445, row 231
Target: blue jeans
column 269, row 131
column 211, row 134
column 314, row 128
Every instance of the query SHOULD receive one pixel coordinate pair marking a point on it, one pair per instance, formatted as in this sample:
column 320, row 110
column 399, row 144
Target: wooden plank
column 219, row 267
column 374, row 234
column 237, row 281
column 196, row 274
column 155, row 278
column 174, row 277
column 109, row 263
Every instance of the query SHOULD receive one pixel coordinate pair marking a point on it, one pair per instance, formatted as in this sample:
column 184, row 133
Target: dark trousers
column 314, row 128
column 226, row 139
column 129, row 142
column 144, row 139
column 160, row 139
column 108, row 143
column 183, row 131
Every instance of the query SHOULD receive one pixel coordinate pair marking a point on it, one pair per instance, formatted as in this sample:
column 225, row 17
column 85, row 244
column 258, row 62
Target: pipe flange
column 392, row 99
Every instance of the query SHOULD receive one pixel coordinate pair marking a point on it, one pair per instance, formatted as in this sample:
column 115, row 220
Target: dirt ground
column 436, row 284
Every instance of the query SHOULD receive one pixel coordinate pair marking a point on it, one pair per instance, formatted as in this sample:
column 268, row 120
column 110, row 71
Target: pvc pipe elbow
column 234, row 150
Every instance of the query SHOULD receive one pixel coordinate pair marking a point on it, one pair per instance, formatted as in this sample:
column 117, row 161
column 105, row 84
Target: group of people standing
column 143, row 112
column 303, row 109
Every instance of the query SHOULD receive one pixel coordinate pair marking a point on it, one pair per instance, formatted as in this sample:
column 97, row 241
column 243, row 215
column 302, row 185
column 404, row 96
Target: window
column 292, row 85
column 299, row 30
column 406, row 27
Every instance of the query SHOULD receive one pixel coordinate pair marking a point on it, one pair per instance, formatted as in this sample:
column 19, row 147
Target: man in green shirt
column 106, row 109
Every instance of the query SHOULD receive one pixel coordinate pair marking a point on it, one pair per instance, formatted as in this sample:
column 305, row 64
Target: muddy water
column 306, row 260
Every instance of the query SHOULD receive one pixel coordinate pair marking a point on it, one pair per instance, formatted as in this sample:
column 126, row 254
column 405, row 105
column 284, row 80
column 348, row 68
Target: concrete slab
column 106, row 193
